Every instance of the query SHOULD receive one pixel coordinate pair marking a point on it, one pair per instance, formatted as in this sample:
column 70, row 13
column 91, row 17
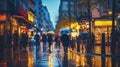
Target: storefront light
column 119, row 15
column 110, row 12
column 3, row 17
column 104, row 23
column 30, row 16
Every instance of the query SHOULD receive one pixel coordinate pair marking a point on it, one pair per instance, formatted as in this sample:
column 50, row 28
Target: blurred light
column 118, row 15
column 110, row 12
column 30, row 16
column 30, row 59
column 74, row 34
column 104, row 23
column 14, row 21
column 50, row 60
column 3, row 17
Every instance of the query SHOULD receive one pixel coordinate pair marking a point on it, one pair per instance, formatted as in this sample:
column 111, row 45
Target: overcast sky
column 53, row 7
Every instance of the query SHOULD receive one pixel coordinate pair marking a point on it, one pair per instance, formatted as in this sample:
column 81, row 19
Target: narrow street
column 35, row 56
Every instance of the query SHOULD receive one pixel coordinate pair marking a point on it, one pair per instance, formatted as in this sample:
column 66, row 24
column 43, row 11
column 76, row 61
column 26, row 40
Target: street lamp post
column 113, row 45
column 89, row 18
column 113, row 28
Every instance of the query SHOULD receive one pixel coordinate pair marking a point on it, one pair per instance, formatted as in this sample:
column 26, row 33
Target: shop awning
column 22, row 20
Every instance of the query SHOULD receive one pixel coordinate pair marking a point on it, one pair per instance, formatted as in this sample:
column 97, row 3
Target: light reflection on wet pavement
column 34, row 56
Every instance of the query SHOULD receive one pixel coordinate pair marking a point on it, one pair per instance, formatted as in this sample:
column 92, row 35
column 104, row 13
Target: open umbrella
column 65, row 31
column 50, row 32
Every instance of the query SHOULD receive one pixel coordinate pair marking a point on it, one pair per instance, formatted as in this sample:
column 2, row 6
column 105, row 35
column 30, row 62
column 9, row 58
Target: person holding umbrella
column 65, row 41
column 49, row 39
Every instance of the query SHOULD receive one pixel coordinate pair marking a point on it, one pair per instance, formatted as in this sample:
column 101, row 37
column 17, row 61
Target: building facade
column 67, row 8
column 92, row 14
column 15, row 18
column 38, row 14
column 46, row 21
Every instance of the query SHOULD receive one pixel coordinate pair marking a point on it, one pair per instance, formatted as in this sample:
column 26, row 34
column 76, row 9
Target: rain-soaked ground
column 35, row 56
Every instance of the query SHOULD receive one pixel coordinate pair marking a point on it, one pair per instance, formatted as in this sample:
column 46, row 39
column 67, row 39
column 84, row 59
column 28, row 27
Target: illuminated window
column 30, row 16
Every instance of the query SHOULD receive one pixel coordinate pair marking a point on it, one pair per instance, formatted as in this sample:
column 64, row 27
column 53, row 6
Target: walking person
column 44, row 41
column 15, row 39
column 21, row 40
column 57, row 41
column 65, row 42
column 9, row 39
column 24, row 40
column 78, row 42
column 37, row 37
column 50, row 36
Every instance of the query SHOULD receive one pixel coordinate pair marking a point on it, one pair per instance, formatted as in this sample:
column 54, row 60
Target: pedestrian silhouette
column 9, row 39
column 37, row 37
column 65, row 41
column 44, row 40
column 15, row 39
column 57, row 41
column 24, row 39
column 50, row 41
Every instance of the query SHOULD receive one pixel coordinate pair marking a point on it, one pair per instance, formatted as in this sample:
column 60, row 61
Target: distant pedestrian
column 21, row 40
column 44, row 40
column 9, row 39
column 37, row 38
column 50, row 38
column 65, row 41
column 15, row 39
column 57, row 41
column 24, row 40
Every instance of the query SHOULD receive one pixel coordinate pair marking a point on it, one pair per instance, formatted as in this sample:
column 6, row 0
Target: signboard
column 104, row 23
column 95, row 13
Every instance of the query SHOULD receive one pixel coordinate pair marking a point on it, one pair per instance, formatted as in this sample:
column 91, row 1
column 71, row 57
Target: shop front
column 4, row 26
column 84, row 25
column 102, row 26
column 24, row 25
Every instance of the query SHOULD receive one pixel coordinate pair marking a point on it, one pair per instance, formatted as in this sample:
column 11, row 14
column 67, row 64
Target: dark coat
column 44, row 38
column 65, row 39
column 37, row 37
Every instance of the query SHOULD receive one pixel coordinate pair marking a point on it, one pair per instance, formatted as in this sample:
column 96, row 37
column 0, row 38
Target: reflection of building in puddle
column 15, row 55
column 82, row 61
column 50, row 60
column 97, row 61
column 98, row 49
column 82, row 48
column 78, row 60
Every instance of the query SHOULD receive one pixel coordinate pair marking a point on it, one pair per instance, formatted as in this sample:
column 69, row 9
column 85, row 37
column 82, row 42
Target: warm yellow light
column 30, row 16
column 110, row 12
column 77, row 27
column 50, row 60
column 30, row 59
column 3, row 17
column 104, row 23
column 14, row 21
column 74, row 34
